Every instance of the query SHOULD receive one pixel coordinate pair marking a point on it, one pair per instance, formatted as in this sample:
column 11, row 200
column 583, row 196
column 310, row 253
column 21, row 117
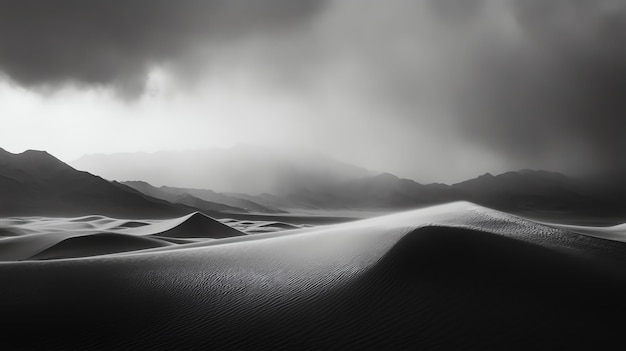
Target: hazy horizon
column 449, row 179
column 278, row 150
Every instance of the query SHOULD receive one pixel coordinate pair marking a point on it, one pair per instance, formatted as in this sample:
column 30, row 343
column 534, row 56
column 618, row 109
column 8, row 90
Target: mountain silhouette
column 525, row 192
column 203, row 199
column 537, row 191
column 249, row 169
column 37, row 183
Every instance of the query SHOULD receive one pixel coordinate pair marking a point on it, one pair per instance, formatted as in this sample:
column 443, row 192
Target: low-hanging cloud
column 555, row 92
column 540, row 84
column 115, row 43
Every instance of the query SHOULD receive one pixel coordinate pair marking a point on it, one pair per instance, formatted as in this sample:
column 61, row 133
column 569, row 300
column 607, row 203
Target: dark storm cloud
column 541, row 83
column 558, row 94
column 538, row 83
column 103, row 42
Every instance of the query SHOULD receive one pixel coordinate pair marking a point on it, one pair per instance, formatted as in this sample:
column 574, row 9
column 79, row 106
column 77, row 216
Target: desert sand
column 454, row 276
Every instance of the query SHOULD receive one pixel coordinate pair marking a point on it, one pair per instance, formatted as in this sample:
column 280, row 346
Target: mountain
column 387, row 190
column 532, row 191
column 524, row 192
column 522, row 189
column 37, row 183
column 192, row 201
column 227, row 203
column 202, row 199
column 249, row 169
column 380, row 191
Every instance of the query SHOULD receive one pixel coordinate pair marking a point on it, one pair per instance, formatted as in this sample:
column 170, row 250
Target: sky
column 434, row 90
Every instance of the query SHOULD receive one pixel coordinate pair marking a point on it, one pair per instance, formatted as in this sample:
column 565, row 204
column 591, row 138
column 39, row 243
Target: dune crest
column 194, row 225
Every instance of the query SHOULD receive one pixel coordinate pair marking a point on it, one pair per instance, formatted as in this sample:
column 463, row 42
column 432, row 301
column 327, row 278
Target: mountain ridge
column 37, row 183
column 203, row 198
column 250, row 169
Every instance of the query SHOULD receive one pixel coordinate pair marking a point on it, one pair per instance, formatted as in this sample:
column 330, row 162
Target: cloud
column 539, row 84
column 543, row 85
column 553, row 94
column 115, row 43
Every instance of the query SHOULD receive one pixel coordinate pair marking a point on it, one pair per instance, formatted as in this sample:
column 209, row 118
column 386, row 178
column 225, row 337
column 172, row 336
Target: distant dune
column 195, row 225
column 31, row 238
column 97, row 244
column 456, row 276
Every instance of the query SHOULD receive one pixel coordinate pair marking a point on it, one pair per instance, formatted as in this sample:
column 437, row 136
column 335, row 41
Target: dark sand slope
column 195, row 225
column 616, row 233
column 450, row 277
column 97, row 244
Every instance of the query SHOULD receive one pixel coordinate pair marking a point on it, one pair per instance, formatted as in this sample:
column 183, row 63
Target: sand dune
column 455, row 276
column 615, row 233
column 195, row 225
column 97, row 244
column 252, row 227
column 4, row 232
column 33, row 238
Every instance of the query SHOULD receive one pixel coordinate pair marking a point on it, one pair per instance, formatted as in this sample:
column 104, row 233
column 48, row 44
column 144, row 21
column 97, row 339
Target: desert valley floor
column 454, row 276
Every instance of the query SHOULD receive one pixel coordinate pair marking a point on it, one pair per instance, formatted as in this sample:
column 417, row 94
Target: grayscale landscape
column 312, row 174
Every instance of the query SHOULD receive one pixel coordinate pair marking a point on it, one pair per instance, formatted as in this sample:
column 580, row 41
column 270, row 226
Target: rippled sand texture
column 454, row 276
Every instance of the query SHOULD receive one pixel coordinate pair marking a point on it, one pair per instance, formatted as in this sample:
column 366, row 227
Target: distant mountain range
column 249, row 169
column 36, row 183
column 202, row 199
column 526, row 191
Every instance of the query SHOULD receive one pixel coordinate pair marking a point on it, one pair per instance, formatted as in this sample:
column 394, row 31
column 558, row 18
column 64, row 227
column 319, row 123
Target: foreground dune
column 616, row 233
column 456, row 276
